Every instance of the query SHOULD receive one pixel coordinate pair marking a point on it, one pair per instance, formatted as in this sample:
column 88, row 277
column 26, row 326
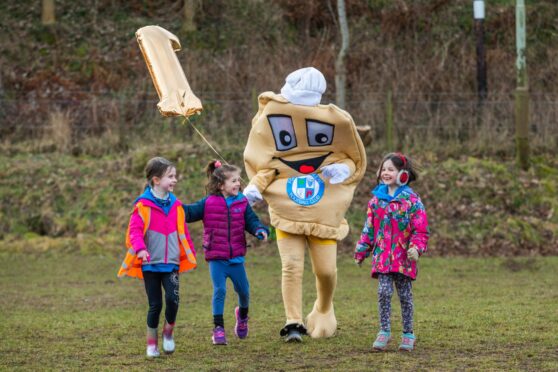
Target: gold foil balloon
column 158, row 47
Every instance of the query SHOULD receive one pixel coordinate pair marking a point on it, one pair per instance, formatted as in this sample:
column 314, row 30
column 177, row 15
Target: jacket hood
column 382, row 192
column 164, row 204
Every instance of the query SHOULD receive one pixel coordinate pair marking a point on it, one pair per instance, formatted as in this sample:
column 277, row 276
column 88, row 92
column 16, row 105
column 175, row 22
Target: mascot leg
column 291, row 249
column 321, row 321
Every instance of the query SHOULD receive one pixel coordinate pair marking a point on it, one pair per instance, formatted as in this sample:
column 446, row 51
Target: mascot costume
column 305, row 159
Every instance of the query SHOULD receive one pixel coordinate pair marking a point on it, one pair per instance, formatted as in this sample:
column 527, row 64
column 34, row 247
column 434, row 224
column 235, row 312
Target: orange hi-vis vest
column 131, row 266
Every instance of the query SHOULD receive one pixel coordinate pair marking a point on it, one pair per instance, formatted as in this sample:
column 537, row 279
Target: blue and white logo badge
column 305, row 190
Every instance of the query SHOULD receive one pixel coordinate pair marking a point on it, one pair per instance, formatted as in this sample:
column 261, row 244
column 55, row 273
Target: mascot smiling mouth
column 305, row 166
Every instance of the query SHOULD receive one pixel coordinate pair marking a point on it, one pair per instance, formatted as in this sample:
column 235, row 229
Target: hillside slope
column 475, row 206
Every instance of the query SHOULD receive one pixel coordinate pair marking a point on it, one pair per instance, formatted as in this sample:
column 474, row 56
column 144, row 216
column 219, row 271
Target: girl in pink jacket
column 396, row 234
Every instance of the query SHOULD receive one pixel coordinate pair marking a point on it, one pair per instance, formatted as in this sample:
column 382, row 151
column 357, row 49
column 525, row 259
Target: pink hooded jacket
column 161, row 238
column 393, row 225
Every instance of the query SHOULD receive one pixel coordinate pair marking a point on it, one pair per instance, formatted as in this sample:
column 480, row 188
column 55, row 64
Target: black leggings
column 153, row 282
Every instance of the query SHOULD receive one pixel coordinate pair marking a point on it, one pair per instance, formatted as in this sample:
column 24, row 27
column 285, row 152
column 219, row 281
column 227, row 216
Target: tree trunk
column 340, row 70
column 48, row 15
column 189, row 24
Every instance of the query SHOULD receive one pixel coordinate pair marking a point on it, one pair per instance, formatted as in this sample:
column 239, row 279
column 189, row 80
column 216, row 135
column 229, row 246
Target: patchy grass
column 69, row 311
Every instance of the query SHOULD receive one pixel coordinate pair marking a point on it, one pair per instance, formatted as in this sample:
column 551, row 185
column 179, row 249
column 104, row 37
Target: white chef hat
column 304, row 87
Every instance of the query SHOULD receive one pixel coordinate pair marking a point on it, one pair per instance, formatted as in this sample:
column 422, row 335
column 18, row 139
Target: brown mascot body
column 305, row 160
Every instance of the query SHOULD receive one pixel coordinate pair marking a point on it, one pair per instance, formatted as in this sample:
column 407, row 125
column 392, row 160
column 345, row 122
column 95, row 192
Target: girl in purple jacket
column 226, row 214
column 396, row 234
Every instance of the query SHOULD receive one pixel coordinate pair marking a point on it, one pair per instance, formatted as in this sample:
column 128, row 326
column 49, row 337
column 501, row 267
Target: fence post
column 389, row 122
column 521, row 126
column 522, row 90
column 482, row 85
column 482, row 89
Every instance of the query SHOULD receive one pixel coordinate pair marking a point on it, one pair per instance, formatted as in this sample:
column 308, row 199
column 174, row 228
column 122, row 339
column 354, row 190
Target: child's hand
column 144, row 255
column 261, row 235
column 360, row 254
column 412, row 254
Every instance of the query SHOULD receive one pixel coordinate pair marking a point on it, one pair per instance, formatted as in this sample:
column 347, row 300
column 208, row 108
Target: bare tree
column 340, row 69
column 189, row 12
column 48, row 15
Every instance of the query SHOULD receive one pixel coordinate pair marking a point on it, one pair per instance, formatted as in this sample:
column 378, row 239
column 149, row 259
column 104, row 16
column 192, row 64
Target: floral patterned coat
column 393, row 225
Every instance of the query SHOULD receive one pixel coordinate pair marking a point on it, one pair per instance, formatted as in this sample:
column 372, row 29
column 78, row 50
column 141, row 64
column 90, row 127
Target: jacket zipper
column 391, row 249
column 166, row 247
column 167, row 240
column 229, row 228
column 167, row 229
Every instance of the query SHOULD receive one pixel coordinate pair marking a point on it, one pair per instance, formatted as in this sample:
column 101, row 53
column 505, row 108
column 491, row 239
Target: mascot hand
column 412, row 254
column 337, row 172
column 252, row 194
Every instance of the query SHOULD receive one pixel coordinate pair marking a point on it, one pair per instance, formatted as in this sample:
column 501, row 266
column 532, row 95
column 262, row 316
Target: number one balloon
column 158, row 47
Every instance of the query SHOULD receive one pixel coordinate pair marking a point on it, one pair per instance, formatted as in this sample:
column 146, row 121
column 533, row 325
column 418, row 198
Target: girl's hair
column 401, row 162
column 217, row 174
column 157, row 167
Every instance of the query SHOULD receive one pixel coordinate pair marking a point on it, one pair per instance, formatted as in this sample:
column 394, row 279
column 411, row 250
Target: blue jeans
column 220, row 271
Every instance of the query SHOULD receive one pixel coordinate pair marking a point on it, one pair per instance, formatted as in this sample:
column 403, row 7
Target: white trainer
column 152, row 351
column 168, row 344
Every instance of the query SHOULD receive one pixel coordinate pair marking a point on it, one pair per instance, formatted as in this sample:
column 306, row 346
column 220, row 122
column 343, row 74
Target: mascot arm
column 352, row 167
column 262, row 179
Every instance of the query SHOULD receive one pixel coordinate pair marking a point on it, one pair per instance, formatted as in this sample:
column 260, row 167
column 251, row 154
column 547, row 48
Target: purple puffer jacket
column 223, row 235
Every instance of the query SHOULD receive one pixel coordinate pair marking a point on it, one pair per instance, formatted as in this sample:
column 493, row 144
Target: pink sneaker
column 168, row 339
column 241, row 326
column 381, row 342
column 219, row 337
column 152, row 350
column 407, row 342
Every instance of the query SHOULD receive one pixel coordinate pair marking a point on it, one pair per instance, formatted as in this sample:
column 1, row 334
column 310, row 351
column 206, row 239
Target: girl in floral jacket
column 396, row 234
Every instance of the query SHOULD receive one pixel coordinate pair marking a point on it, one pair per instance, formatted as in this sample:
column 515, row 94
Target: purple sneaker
column 241, row 326
column 218, row 337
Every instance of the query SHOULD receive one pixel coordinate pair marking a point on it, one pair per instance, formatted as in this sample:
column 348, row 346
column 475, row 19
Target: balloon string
column 209, row 144
column 206, row 141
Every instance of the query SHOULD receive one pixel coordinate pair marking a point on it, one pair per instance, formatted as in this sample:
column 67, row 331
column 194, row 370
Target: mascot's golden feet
column 293, row 332
column 321, row 324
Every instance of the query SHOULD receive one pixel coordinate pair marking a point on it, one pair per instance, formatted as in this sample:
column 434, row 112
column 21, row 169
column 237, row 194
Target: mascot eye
column 321, row 138
column 319, row 134
column 283, row 132
column 285, row 138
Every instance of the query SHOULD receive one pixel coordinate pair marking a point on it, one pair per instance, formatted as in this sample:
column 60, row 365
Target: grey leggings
column 385, row 291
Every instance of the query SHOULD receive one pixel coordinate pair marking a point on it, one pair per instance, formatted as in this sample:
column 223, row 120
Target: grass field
column 69, row 311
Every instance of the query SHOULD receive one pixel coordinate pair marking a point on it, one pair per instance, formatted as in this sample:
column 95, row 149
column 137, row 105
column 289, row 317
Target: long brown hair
column 217, row 174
